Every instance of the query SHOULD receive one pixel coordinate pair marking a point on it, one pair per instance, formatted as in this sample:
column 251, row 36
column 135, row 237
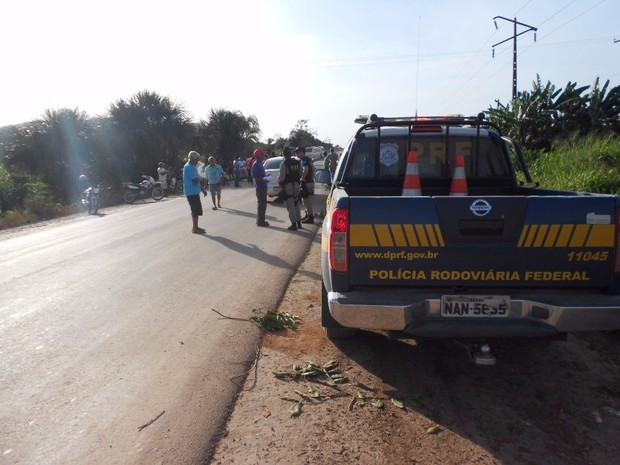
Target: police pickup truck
column 431, row 232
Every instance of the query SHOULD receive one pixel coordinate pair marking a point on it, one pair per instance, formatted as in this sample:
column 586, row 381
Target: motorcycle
column 148, row 187
column 176, row 184
column 90, row 198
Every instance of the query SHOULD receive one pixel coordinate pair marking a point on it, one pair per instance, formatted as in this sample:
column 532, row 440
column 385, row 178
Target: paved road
column 106, row 322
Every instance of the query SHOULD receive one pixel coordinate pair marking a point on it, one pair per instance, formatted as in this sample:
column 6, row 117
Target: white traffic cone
column 459, row 183
column 411, row 185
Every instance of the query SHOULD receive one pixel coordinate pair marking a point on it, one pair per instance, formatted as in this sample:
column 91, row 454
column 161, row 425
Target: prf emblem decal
column 480, row 207
column 388, row 154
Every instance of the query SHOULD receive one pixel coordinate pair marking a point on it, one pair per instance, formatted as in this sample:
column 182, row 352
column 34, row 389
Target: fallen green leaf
column 273, row 321
column 378, row 403
column 295, row 410
column 330, row 365
column 397, row 403
column 433, row 429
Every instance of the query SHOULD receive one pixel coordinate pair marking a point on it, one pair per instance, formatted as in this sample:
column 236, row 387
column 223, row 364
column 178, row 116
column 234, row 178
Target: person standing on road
column 214, row 174
column 331, row 162
column 288, row 178
column 162, row 174
column 192, row 189
column 248, row 164
column 258, row 173
column 307, row 184
column 238, row 165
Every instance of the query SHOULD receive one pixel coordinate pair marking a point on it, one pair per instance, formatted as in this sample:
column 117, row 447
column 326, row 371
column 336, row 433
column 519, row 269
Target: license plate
column 472, row 306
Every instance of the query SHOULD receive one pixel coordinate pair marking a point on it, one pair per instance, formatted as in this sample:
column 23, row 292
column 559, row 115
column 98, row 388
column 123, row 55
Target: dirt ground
column 553, row 403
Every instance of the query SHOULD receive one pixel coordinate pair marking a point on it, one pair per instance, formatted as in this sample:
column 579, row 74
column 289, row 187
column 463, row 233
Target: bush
column 586, row 164
column 14, row 218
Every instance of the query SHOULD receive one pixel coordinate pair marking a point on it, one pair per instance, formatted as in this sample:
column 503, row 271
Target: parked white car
column 315, row 153
column 272, row 169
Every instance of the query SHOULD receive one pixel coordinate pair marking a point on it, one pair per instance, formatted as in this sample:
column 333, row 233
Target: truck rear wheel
column 332, row 328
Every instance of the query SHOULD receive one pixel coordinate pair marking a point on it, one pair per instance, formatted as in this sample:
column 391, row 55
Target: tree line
column 43, row 159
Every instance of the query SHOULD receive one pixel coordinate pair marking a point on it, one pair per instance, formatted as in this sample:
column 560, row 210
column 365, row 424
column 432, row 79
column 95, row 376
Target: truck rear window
column 435, row 156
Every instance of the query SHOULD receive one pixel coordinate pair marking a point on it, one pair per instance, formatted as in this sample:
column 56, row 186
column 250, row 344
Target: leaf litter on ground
column 329, row 374
column 274, row 321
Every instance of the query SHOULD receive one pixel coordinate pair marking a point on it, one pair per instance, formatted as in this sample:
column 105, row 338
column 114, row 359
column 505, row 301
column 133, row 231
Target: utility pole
column 514, row 47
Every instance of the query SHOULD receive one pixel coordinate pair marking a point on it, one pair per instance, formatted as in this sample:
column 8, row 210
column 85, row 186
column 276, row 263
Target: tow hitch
column 483, row 355
column 479, row 353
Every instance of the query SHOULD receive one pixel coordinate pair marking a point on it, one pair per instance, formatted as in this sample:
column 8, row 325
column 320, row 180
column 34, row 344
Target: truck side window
column 363, row 164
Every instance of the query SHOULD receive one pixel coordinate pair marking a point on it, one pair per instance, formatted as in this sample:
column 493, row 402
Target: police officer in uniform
column 290, row 171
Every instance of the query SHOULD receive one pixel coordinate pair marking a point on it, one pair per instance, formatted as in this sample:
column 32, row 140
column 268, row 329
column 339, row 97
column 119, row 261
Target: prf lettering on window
column 436, row 152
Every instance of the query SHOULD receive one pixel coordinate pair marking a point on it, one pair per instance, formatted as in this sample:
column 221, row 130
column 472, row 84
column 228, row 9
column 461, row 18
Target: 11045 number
column 588, row 256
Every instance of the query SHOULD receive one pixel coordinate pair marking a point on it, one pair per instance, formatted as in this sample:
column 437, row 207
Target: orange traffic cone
column 459, row 183
column 411, row 186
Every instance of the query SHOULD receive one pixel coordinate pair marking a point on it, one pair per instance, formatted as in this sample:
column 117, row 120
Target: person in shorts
column 215, row 173
column 192, row 189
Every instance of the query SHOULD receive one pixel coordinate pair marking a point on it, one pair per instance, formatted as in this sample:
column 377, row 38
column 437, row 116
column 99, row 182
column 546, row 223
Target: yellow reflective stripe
column 540, row 237
column 554, row 229
column 363, row 235
column 439, row 236
column 565, row 233
column 531, row 235
column 568, row 235
column 419, row 228
column 523, row 235
column 602, row 235
column 431, row 234
column 383, row 233
column 580, row 235
column 399, row 235
column 411, row 237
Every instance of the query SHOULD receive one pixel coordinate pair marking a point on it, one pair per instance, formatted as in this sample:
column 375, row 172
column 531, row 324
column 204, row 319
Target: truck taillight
column 339, row 240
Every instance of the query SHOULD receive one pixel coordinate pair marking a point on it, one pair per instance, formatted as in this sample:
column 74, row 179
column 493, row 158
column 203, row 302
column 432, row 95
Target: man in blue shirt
column 215, row 173
column 192, row 189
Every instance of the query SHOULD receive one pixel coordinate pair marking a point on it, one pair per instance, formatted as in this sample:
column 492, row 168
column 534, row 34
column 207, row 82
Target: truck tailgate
column 504, row 241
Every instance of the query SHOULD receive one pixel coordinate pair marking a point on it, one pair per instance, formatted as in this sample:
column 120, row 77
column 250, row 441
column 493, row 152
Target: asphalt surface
column 110, row 349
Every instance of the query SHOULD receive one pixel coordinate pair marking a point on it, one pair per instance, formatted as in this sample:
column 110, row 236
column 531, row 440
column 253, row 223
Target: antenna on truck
column 417, row 68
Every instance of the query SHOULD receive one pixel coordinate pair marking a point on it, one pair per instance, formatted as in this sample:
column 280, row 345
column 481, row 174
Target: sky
column 283, row 61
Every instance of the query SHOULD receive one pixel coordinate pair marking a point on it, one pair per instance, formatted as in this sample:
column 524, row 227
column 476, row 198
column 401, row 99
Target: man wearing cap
column 192, row 189
column 306, row 184
column 258, row 173
column 288, row 178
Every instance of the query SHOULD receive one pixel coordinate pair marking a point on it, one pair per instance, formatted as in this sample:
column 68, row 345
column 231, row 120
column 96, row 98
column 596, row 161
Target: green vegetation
column 586, row 164
column 570, row 136
column 41, row 161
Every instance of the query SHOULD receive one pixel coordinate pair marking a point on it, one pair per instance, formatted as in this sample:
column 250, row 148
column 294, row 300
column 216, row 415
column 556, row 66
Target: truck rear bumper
column 531, row 315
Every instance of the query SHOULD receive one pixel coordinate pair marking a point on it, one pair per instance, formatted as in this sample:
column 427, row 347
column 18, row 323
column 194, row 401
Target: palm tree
column 148, row 129
column 229, row 134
